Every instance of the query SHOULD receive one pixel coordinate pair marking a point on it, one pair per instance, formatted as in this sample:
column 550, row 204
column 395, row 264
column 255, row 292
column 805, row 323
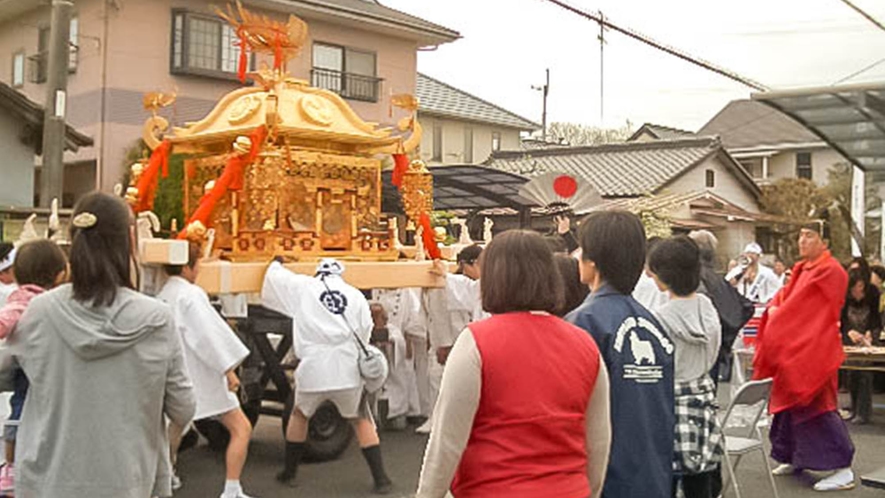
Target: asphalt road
column 203, row 471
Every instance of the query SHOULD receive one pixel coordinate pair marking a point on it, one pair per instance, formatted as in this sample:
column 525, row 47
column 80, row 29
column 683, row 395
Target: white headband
column 6, row 263
column 330, row 266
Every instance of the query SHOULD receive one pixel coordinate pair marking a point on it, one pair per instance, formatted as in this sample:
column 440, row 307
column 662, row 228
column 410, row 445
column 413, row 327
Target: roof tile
column 627, row 169
column 440, row 99
column 747, row 123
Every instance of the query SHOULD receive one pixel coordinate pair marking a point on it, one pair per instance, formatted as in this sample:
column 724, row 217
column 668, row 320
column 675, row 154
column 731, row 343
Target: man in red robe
column 799, row 345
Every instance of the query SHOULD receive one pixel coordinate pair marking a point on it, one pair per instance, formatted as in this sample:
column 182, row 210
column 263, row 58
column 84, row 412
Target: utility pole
column 660, row 46
column 56, row 103
column 545, row 90
column 601, row 69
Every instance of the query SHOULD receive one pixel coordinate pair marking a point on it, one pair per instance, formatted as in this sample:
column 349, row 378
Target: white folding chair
column 753, row 396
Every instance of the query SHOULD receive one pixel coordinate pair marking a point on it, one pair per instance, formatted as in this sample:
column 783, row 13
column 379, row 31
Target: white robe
column 211, row 348
column 763, row 288
column 448, row 312
column 648, row 294
column 323, row 341
column 404, row 320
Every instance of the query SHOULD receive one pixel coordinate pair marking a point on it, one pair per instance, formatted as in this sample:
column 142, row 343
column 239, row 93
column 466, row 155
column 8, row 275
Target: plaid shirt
column 698, row 436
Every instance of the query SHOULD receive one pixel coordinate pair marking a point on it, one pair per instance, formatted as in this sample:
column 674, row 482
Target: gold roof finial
column 264, row 35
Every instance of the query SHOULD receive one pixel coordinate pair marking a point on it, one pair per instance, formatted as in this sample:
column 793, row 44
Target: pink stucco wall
column 137, row 39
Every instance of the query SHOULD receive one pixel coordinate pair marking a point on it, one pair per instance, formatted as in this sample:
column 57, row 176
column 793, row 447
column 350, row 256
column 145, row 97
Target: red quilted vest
column 528, row 437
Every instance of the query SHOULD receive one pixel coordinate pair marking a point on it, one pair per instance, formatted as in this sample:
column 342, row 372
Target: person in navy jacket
column 637, row 353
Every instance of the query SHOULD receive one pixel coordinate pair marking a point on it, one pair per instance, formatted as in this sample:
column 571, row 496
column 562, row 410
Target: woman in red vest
column 523, row 408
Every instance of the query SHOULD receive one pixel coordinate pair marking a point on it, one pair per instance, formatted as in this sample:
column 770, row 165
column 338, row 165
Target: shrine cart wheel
column 328, row 434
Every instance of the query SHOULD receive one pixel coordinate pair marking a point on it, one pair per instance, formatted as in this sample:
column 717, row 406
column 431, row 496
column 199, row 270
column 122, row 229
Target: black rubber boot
column 383, row 484
column 294, row 452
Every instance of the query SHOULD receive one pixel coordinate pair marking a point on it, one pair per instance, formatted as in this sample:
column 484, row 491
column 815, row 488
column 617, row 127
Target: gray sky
column 507, row 44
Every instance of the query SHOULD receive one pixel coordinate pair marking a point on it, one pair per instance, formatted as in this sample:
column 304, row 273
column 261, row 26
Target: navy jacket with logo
column 639, row 357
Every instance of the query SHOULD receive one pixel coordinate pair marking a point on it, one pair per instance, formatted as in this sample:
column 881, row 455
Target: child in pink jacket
column 38, row 267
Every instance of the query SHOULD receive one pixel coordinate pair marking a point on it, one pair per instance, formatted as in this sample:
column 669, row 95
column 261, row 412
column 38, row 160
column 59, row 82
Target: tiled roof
column 375, row 11
column 628, row 169
column 747, row 123
column 661, row 132
column 28, row 111
column 439, row 99
column 538, row 144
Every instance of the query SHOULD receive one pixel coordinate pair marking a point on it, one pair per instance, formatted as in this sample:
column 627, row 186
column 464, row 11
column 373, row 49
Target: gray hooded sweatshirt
column 101, row 380
column 693, row 326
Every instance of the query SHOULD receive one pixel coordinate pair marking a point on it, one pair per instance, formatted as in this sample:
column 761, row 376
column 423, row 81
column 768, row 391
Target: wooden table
column 864, row 359
column 856, row 358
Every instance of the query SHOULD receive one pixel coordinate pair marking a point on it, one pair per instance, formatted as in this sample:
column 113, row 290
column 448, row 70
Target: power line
column 859, row 72
column 665, row 48
column 865, row 14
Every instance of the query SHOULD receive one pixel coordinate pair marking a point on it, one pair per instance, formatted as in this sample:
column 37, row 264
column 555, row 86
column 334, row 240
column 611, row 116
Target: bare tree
column 578, row 134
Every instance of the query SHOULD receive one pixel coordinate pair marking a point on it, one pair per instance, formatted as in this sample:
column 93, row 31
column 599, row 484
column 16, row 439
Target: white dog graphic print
column 642, row 350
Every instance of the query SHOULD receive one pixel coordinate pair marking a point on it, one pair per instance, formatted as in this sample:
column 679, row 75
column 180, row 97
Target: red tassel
column 278, row 51
column 147, row 183
column 257, row 138
column 400, row 167
column 244, row 58
column 429, row 237
column 231, row 179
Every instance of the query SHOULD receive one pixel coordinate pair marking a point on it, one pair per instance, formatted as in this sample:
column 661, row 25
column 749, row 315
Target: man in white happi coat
column 756, row 282
column 212, row 351
column 326, row 314
column 403, row 390
column 448, row 311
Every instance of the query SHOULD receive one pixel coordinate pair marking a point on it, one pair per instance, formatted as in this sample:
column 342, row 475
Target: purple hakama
column 811, row 442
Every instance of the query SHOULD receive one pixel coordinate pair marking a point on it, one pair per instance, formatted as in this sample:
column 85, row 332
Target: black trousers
column 860, row 386
column 704, row 485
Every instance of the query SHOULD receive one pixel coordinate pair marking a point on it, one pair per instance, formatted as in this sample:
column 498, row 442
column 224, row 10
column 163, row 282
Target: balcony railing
column 348, row 85
column 38, row 65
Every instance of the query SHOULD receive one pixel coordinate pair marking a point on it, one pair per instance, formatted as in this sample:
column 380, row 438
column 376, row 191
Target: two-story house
column 120, row 50
column 770, row 144
column 691, row 182
column 460, row 128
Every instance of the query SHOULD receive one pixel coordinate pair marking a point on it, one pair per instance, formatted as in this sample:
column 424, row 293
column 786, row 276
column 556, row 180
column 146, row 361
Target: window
column 205, row 46
column 437, row 142
column 496, row 141
column 803, row 165
column 468, row 145
column 348, row 72
column 711, row 178
column 73, row 45
column 39, row 62
column 18, row 69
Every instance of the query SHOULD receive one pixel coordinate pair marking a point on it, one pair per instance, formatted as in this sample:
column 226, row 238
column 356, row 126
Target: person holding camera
column 754, row 281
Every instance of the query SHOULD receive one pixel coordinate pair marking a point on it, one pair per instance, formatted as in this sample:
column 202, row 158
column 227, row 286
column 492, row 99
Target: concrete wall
column 726, row 184
column 16, row 165
column 453, row 140
column 137, row 40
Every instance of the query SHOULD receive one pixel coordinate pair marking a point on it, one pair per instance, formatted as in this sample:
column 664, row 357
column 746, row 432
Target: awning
column 850, row 118
column 467, row 187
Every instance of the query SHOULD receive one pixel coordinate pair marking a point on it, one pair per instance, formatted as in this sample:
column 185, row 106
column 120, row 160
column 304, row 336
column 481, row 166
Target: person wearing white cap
column 7, row 279
column 754, row 281
column 326, row 313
